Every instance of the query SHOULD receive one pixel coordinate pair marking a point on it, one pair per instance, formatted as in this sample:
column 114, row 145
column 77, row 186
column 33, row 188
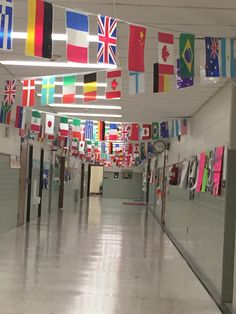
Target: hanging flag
column 136, row 83
column 6, row 24
column 39, row 30
column 110, row 148
column 20, row 118
column 28, row 93
column 113, row 132
column 137, row 39
column 10, row 92
column 125, row 132
column 76, row 129
column 113, row 89
column 155, row 131
column 90, row 87
column 136, row 150
column 145, row 132
column 134, row 136
column 101, row 131
column 143, row 151
column 88, row 130
column 228, row 65
column 184, row 126
column 166, row 53
column 5, row 114
column 164, row 129
column 82, row 147
column 186, row 53
column 64, row 127
column 177, row 129
column 77, row 30
column 212, row 57
column 161, row 82
column 74, row 143
column 49, row 124
column 183, row 82
column 48, row 90
column 107, row 40
column 35, row 121
column 69, row 89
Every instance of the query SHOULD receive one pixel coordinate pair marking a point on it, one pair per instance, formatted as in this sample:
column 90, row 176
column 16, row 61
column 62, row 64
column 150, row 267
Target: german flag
column 90, row 87
column 39, row 30
column 110, row 148
column 101, row 131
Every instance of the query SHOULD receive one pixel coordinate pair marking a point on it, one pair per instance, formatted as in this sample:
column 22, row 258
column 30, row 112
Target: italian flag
column 36, row 121
column 74, row 143
column 76, row 132
column 64, row 127
column 69, row 89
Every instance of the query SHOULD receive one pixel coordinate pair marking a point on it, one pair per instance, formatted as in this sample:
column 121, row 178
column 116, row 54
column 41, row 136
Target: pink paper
column 201, row 171
column 219, row 153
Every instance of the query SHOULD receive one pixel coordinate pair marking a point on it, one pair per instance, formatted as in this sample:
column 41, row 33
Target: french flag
column 77, row 30
column 113, row 132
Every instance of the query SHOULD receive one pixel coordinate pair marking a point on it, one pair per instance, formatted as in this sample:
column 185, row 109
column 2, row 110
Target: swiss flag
column 113, row 89
column 28, row 93
column 146, row 132
column 137, row 40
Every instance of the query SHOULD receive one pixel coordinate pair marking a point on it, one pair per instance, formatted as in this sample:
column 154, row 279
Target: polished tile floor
column 99, row 257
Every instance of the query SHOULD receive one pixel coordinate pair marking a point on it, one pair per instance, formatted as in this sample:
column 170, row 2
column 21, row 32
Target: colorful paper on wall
column 219, row 153
column 201, row 171
column 204, row 180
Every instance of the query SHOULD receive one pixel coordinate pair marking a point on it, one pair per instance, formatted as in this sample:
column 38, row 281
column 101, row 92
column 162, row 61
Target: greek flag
column 6, row 24
column 88, row 130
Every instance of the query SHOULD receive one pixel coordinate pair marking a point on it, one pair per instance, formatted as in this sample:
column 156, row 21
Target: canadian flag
column 146, row 132
column 113, row 89
column 166, row 53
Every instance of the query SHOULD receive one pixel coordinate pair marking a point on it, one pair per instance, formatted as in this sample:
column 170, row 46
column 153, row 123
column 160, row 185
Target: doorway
column 96, row 180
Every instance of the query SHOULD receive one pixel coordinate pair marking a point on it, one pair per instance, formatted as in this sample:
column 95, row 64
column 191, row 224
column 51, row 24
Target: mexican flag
column 64, row 127
column 36, row 121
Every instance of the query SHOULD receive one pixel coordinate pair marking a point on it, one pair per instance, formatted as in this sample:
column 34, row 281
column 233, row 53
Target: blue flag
column 212, row 57
column 164, row 129
column 183, row 82
column 88, row 130
column 6, row 24
column 48, row 90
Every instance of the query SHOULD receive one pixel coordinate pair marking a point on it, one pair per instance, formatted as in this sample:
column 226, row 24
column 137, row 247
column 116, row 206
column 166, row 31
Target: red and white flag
column 28, row 93
column 166, row 53
column 146, row 132
column 113, row 89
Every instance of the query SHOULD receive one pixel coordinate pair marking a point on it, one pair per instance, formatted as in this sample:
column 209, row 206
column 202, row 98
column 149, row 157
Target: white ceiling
column 203, row 17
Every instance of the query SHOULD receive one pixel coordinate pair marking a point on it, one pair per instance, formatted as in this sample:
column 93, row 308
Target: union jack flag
column 10, row 93
column 126, row 132
column 107, row 40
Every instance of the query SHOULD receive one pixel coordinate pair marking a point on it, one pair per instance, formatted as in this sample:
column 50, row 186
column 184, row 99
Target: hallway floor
column 98, row 258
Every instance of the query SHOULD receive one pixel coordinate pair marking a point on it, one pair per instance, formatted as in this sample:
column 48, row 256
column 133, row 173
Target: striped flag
column 90, row 87
column 88, row 130
column 136, row 83
column 20, row 118
column 113, row 132
column 161, row 82
column 101, row 131
column 48, row 90
column 28, row 93
column 228, row 57
column 36, row 122
column 77, row 30
column 64, row 127
column 39, row 30
column 113, row 89
column 76, row 131
column 6, row 24
column 69, row 89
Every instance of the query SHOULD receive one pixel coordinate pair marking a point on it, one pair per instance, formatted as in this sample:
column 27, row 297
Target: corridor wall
column 197, row 227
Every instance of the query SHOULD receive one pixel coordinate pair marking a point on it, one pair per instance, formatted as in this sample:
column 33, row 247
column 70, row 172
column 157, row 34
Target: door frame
column 29, row 183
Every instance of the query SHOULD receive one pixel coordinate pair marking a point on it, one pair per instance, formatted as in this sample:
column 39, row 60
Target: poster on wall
column 201, row 171
column 219, row 153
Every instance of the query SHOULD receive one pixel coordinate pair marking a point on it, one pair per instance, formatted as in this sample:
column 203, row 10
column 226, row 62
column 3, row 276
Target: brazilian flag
column 155, row 131
column 186, row 54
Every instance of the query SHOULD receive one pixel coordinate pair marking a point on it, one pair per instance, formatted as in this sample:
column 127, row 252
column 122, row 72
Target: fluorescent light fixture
column 76, row 106
column 80, row 114
column 52, row 64
column 76, row 96
column 76, row 84
column 56, row 37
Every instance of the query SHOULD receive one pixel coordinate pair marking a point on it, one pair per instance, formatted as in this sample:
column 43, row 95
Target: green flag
column 155, row 131
column 186, row 54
